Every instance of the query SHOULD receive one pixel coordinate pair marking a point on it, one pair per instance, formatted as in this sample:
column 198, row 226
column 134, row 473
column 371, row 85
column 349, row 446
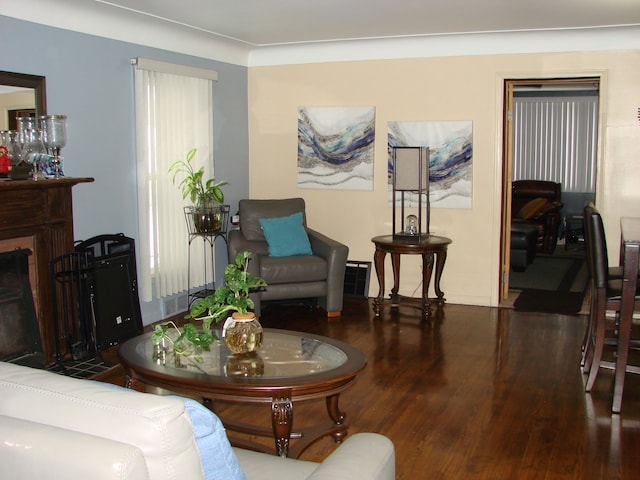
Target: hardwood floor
column 478, row 393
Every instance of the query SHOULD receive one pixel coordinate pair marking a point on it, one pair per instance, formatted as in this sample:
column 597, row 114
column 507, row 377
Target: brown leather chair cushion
column 527, row 190
column 531, row 208
column 548, row 207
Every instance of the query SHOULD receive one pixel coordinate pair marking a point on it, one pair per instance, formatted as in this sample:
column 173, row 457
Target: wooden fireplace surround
column 39, row 213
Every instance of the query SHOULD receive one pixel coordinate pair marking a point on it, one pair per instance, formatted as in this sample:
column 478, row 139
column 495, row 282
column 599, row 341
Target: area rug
column 552, row 284
column 549, row 301
column 550, row 272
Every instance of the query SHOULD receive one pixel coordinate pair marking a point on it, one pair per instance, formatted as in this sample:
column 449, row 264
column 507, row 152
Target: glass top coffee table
column 289, row 366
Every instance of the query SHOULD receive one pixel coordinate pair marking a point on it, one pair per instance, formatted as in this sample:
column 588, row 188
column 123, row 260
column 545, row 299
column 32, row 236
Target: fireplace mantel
column 41, row 211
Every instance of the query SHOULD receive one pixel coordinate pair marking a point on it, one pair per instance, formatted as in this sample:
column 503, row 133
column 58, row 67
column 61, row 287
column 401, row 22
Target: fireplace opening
column 19, row 335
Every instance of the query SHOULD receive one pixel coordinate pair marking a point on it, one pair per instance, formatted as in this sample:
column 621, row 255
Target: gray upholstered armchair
column 317, row 275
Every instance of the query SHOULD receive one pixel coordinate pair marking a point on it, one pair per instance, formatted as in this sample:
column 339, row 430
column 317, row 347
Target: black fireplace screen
column 95, row 297
column 19, row 335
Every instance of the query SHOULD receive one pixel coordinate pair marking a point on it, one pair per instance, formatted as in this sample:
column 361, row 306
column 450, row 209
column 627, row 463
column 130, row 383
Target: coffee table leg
column 282, row 422
column 337, row 416
column 132, row 382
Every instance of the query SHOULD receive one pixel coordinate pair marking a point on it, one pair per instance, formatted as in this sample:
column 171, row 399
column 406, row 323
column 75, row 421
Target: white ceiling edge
column 547, row 41
column 121, row 25
column 142, row 30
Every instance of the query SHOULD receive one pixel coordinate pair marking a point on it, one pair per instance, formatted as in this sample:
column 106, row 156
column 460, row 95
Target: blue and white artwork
column 450, row 146
column 335, row 147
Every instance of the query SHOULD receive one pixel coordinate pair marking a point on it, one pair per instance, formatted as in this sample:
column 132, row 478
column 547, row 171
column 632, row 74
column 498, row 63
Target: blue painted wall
column 90, row 80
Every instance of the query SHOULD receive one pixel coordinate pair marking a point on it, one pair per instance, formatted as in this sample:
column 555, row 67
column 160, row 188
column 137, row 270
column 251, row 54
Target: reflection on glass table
column 288, row 367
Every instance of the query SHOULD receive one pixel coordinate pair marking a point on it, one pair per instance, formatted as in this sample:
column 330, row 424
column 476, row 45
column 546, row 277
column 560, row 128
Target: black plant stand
column 208, row 230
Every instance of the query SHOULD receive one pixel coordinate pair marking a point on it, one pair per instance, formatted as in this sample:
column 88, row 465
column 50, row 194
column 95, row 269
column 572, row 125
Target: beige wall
column 451, row 88
column 14, row 101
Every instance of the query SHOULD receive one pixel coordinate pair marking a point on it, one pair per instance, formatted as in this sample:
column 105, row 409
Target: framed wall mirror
column 21, row 94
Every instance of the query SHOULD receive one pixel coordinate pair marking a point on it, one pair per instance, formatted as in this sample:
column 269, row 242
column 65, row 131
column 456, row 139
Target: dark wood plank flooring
column 477, row 393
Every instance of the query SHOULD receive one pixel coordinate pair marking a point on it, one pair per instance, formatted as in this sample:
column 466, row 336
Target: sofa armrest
column 263, row 466
column 35, row 450
column 363, row 456
column 160, row 427
column 329, row 249
column 335, row 253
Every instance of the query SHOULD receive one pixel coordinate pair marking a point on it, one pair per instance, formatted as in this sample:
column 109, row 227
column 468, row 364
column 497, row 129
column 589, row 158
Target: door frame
column 508, row 84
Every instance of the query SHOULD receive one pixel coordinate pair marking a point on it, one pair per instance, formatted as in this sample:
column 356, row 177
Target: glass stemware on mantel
column 33, row 151
column 30, row 148
column 54, row 128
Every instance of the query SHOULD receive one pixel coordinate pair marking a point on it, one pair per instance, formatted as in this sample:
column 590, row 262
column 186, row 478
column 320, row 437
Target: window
column 556, row 137
column 173, row 114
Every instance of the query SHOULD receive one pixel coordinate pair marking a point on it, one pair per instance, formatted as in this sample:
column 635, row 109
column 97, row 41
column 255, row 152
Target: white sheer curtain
column 174, row 113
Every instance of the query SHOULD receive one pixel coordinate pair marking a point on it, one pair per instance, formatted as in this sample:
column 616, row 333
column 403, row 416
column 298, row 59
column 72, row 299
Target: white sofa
column 52, row 426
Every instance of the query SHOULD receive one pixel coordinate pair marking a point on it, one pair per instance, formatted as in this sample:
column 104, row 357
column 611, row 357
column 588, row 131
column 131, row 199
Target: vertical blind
column 173, row 114
column 555, row 138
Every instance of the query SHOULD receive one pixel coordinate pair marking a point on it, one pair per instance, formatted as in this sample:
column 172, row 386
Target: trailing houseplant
column 242, row 331
column 205, row 195
column 230, row 299
column 183, row 341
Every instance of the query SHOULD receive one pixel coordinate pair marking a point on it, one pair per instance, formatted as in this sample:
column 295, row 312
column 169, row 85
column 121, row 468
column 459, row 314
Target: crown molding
column 493, row 43
column 94, row 18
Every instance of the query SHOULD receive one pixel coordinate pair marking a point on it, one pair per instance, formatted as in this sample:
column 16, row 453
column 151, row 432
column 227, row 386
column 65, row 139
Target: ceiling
column 278, row 22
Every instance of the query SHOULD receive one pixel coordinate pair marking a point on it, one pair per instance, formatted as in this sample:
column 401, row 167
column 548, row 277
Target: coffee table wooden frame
column 281, row 393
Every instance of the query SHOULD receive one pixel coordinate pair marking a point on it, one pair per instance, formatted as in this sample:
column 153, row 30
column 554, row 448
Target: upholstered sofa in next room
column 538, row 203
column 54, row 427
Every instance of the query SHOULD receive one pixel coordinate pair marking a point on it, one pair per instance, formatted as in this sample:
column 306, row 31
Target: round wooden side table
column 433, row 249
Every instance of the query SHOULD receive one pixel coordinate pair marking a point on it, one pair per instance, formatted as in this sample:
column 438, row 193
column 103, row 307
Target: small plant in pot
column 206, row 195
column 242, row 331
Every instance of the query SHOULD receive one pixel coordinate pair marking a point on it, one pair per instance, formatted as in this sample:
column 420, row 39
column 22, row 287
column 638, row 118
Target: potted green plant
column 242, row 331
column 206, row 195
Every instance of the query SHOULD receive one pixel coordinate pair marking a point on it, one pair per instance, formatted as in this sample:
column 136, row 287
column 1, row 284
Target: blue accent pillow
column 286, row 236
column 218, row 460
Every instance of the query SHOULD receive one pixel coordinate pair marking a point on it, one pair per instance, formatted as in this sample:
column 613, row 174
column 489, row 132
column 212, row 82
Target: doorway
column 550, row 133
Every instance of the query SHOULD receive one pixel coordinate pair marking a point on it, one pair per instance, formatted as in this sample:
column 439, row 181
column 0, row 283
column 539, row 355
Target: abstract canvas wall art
column 335, row 147
column 450, row 146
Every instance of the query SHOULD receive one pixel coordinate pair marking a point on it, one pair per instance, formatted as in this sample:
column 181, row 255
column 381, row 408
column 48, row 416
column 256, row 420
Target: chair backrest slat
column 597, row 257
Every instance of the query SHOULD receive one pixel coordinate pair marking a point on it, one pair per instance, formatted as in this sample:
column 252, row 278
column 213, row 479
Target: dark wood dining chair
column 606, row 293
column 614, row 272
